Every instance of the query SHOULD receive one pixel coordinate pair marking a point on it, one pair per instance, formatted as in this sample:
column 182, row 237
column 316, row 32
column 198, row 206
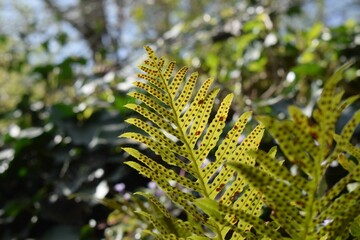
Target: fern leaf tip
column 229, row 97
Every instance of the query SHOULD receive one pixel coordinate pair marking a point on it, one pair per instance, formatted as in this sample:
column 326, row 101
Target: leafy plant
column 180, row 131
column 49, row 153
column 301, row 204
column 212, row 175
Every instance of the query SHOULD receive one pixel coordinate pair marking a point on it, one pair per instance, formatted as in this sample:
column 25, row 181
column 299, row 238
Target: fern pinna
column 176, row 126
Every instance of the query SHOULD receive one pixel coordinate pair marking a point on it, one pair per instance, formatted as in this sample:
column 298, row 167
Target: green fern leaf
column 165, row 223
column 176, row 125
column 298, row 205
column 215, row 210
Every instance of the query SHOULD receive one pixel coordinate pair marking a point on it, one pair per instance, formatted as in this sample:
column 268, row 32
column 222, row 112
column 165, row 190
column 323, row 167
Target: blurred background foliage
column 66, row 66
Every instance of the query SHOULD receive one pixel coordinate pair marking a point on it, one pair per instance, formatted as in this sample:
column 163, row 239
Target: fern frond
column 298, row 205
column 177, row 126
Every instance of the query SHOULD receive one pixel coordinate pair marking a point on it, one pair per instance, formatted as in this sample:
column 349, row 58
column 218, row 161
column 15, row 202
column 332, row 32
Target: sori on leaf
column 212, row 175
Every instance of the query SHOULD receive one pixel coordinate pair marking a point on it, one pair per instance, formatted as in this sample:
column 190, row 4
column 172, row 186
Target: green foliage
column 299, row 202
column 63, row 84
column 50, row 149
column 180, row 131
column 267, row 63
column 44, row 157
column 226, row 193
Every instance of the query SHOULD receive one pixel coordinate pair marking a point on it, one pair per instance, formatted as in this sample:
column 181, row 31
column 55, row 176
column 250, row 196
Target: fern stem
column 310, row 211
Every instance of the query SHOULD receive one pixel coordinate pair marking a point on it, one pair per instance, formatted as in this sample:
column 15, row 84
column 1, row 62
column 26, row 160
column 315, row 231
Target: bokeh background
column 66, row 66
